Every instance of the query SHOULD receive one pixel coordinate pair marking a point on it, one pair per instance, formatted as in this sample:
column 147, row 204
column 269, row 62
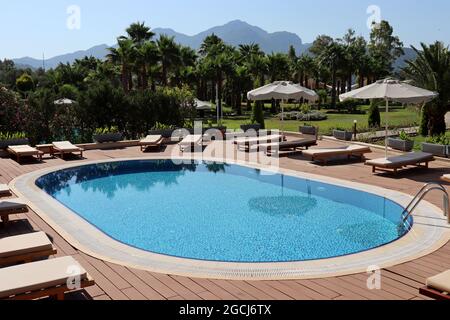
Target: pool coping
column 429, row 233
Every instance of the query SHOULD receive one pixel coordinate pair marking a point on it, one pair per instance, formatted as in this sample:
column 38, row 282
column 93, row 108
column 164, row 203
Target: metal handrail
column 421, row 195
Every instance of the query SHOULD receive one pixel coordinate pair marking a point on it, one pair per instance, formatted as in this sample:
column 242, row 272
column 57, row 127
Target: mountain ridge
column 234, row 33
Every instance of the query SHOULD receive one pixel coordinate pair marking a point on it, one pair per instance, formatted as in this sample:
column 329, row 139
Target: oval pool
column 223, row 212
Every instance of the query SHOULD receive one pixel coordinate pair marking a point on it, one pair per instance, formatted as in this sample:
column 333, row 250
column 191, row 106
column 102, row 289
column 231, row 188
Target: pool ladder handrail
column 421, row 195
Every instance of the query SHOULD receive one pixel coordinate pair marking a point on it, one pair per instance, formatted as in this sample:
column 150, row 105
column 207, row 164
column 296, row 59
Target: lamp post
column 355, row 129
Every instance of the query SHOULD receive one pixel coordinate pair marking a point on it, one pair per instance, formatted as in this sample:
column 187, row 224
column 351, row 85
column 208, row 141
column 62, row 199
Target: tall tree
column 332, row 57
column 124, row 56
column 431, row 70
column 169, row 55
column 384, row 48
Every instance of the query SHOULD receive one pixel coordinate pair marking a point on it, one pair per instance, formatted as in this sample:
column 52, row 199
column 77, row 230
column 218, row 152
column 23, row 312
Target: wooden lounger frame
column 5, row 215
column 270, row 152
column 144, row 146
column 434, row 294
column 246, row 146
column 325, row 158
column 62, row 153
column 57, row 293
column 18, row 156
column 27, row 257
column 394, row 169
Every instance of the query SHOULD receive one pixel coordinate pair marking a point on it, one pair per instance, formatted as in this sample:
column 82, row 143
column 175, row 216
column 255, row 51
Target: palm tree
column 333, row 57
column 210, row 42
column 247, row 51
column 124, row 56
column 146, row 57
column 304, row 69
column 431, row 70
column 139, row 33
column 169, row 56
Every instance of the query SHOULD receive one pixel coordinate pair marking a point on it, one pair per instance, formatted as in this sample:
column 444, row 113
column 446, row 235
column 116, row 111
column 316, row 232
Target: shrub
column 107, row 130
column 313, row 116
column 350, row 106
column 404, row 136
column 258, row 114
column 374, row 115
column 25, row 83
column 424, row 121
column 12, row 135
column 442, row 140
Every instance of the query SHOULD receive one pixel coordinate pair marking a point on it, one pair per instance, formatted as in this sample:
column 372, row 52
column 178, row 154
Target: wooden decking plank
column 388, row 285
column 137, row 283
column 235, row 291
column 103, row 282
column 133, row 294
column 189, row 284
column 206, row 295
column 263, row 286
column 293, row 293
column 362, row 283
column 255, row 292
column 320, row 289
column 402, row 279
column 333, row 285
column 108, row 272
column 157, row 285
column 217, row 290
column 176, row 286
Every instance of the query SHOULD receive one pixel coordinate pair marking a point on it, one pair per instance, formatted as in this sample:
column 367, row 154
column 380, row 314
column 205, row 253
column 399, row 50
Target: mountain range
column 234, row 33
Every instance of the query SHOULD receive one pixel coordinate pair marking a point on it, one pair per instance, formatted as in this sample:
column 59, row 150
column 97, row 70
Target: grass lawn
column 398, row 118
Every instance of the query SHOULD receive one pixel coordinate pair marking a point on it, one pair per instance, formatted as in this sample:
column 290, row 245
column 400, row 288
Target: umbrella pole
column 387, row 129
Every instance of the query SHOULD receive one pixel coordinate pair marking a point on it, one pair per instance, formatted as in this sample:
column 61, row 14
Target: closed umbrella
column 391, row 90
column 202, row 105
column 282, row 90
column 64, row 101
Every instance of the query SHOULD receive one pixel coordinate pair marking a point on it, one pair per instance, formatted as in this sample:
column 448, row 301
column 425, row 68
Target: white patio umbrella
column 391, row 90
column 202, row 105
column 64, row 101
column 282, row 90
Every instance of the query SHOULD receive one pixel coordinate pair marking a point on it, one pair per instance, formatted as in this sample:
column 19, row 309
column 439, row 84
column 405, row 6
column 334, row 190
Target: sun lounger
column 438, row 287
column 325, row 154
column 25, row 151
column 294, row 146
column 446, row 178
column 417, row 159
column 151, row 141
column 9, row 207
column 4, row 190
column 248, row 142
column 49, row 278
column 190, row 142
column 66, row 147
column 25, row 248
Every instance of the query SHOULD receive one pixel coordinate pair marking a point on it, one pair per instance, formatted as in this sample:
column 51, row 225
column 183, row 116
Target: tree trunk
column 333, row 90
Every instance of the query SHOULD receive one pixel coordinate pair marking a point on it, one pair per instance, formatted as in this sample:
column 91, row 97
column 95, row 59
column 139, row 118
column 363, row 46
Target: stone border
column 429, row 233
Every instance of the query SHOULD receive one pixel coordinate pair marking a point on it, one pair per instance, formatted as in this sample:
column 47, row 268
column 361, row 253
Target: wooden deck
column 116, row 282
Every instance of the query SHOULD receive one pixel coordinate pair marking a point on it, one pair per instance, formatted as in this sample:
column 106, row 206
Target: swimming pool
column 224, row 212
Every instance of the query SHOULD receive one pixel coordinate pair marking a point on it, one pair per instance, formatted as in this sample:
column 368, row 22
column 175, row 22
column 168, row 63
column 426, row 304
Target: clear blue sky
column 31, row 27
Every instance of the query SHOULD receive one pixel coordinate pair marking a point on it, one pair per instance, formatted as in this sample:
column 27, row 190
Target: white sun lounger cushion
column 39, row 275
column 440, row 282
column 24, row 244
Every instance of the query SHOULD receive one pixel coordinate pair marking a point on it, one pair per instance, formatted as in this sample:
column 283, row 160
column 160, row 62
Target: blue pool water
column 222, row 212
